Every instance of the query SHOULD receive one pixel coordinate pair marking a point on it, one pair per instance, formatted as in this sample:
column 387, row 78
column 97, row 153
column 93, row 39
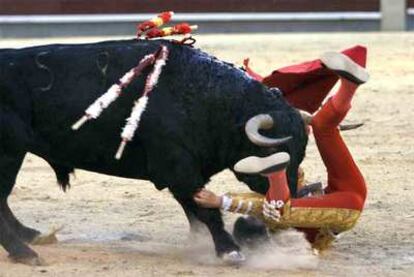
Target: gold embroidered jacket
column 328, row 221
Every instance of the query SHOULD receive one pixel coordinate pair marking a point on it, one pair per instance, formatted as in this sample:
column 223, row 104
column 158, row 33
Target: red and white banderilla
column 141, row 104
column 179, row 29
column 100, row 104
column 156, row 22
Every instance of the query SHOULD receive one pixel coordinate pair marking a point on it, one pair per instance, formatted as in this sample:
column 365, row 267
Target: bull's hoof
column 31, row 260
column 234, row 258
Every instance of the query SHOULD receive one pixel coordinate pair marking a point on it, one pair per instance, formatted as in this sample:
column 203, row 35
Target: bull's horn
column 306, row 117
column 262, row 121
column 347, row 127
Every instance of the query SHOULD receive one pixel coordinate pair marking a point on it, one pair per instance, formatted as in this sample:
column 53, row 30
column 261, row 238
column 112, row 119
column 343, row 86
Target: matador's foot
column 345, row 67
column 266, row 165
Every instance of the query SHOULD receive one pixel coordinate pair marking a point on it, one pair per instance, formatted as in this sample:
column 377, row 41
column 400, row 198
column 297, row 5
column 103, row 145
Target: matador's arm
column 249, row 203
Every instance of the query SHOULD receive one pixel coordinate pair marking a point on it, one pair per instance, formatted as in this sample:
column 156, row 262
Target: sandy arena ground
column 119, row 227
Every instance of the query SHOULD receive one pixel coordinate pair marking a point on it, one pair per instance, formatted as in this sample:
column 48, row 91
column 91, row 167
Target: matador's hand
column 207, row 199
column 271, row 210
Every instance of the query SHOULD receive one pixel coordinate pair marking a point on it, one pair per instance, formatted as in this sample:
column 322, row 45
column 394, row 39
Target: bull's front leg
column 18, row 251
column 179, row 170
column 224, row 244
column 196, row 226
column 14, row 138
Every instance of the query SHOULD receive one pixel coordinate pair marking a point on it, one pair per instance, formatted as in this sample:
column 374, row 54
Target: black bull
column 192, row 129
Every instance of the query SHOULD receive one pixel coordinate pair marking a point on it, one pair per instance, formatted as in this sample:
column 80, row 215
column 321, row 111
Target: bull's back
column 61, row 81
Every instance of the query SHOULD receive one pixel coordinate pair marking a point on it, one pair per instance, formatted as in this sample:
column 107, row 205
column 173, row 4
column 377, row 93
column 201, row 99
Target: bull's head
column 293, row 124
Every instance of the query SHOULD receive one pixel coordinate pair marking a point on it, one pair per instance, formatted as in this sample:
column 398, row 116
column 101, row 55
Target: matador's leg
column 306, row 85
column 342, row 170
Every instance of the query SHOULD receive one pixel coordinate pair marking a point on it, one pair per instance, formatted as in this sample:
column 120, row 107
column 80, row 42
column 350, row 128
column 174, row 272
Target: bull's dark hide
column 193, row 126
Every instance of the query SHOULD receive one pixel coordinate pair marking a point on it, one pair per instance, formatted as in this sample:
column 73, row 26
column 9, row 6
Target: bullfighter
column 320, row 217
